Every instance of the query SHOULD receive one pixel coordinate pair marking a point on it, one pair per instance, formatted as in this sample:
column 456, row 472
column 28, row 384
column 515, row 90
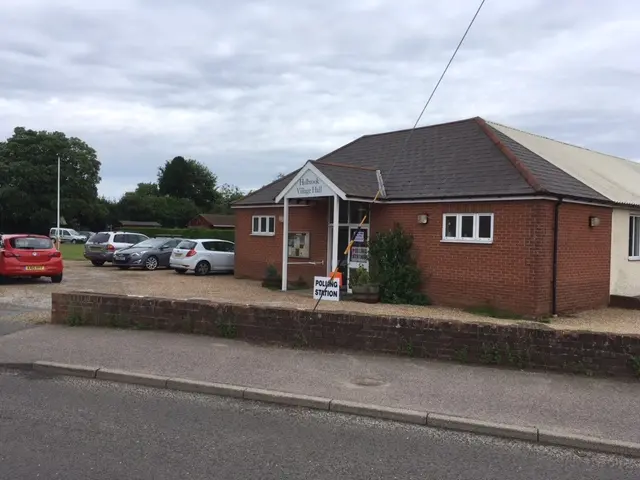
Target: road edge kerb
column 16, row 365
column 285, row 398
column 207, row 388
column 541, row 436
column 582, row 442
column 54, row 368
column 451, row 422
column 124, row 376
column 377, row 411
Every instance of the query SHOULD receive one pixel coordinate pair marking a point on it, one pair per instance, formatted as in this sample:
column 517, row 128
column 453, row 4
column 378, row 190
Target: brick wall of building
column 511, row 274
column 514, row 273
column 584, row 258
column 521, row 346
column 255, row 253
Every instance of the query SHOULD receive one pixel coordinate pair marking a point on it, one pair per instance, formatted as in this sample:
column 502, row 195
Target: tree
column 28, row 180
column 190, row 179
column 147, row 189
column 170, row 212
column 228, row 194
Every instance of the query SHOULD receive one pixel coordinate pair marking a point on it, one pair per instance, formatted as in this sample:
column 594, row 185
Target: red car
column 32, row 256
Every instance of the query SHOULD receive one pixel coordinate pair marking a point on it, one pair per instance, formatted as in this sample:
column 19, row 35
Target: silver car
column 100, row 248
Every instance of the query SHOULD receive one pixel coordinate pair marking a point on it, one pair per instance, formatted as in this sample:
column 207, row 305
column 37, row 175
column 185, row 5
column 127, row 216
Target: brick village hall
column 499, row 217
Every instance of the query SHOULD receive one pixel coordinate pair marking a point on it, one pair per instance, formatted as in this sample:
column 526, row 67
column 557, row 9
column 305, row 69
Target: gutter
column 554, row 281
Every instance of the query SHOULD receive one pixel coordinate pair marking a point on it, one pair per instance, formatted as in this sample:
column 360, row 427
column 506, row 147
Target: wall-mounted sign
column 359, row 238
column 331, row 288
column 309, row 186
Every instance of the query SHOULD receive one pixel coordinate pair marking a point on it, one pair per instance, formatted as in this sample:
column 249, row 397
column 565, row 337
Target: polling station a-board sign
column 331, row 289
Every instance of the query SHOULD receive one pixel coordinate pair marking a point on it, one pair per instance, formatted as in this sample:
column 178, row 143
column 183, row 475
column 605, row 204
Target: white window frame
column 260, row 232
column 476, row 225
column 635, row 242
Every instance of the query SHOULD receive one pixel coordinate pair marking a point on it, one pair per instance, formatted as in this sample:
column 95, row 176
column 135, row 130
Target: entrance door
column 359, row 253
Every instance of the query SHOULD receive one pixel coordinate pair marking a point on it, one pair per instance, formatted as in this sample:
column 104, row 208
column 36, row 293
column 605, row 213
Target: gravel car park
column 33, row 298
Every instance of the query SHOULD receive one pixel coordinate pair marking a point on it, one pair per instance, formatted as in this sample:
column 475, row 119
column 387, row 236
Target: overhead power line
column 435, row 88
column 404, row 147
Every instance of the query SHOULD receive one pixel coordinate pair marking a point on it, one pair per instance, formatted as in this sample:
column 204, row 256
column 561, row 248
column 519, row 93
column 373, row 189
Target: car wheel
column 73, row 241
column 151, row 263
column 180, row 270
column 202, row 268
column 123, row 268
column 97, row 263
column 56, row 278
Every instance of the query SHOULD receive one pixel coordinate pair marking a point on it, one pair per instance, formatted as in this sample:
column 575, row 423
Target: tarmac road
column 76, row 429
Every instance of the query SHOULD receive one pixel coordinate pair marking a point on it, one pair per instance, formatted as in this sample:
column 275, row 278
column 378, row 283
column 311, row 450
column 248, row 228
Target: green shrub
column 394, row 268
column 186, row 232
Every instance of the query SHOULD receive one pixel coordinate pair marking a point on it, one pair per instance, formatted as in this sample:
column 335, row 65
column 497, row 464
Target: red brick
column 514, row 273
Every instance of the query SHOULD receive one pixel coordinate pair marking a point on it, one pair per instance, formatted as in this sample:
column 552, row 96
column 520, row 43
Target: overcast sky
column 256, row 88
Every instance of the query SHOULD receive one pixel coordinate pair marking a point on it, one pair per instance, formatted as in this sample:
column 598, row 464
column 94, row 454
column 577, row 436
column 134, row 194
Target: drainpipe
column 556, row 221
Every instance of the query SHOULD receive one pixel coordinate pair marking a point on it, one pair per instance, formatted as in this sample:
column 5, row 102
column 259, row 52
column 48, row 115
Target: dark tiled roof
column 467, row 158
column 353, row 181
column 219, row 220
column 268, row 193
column 550, row 178
column 449, row 160
column 133, row 223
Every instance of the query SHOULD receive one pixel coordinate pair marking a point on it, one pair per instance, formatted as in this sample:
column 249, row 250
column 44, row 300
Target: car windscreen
column 99, row 238
column 186, row 245
column 30, row 243
column 151, row 243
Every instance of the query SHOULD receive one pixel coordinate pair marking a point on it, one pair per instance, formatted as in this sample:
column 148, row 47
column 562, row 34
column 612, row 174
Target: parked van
column 67, row 235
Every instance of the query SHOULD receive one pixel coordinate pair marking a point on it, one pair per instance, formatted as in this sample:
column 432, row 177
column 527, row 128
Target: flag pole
column 58, row 209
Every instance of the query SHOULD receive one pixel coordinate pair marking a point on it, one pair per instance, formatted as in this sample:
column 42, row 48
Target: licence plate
column 178, row 255
column 95, row 249
column 34, row 267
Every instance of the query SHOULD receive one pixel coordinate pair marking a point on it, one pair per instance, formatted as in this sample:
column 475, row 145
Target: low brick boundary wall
column 522, row 346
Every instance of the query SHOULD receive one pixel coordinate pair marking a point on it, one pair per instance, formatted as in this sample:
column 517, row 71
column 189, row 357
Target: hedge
column 187, row 232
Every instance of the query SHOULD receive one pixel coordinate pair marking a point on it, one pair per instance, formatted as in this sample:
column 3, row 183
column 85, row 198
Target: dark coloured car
column 101, row 246
column 148, row 254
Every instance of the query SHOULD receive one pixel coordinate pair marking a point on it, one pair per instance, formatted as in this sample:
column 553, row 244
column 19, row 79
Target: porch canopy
column 318, row 179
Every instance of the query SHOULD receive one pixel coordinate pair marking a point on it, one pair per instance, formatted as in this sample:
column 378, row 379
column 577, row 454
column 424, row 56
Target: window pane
column 466, row 227
column 263, row 224
column 256, row 224
column 631, row 234
column 636, row 237
column 272, row 224
column 357, row 210
column 119, row 239
column 343, row 213
column 484, row 226
column 450, row 226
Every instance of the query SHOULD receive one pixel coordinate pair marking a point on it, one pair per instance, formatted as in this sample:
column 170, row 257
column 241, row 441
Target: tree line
column 183, row 188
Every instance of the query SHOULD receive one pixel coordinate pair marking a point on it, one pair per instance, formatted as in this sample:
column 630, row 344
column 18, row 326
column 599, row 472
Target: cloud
column 256, row 88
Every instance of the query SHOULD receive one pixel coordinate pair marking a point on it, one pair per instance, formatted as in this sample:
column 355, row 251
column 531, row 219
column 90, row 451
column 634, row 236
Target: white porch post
column 285, row 244
column 336, row 222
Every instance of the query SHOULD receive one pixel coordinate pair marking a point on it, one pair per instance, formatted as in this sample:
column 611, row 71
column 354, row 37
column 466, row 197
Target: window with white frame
column 467, row 227
column 634, row 237
column 263, row 225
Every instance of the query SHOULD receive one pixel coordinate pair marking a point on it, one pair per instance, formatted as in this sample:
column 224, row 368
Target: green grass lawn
column 71, row 251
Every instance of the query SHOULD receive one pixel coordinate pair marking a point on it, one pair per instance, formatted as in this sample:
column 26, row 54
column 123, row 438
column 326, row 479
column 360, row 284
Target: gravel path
column 80, row 275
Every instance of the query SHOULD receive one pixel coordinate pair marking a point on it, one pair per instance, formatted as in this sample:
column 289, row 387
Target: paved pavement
column 82, row 429
column 595, row 407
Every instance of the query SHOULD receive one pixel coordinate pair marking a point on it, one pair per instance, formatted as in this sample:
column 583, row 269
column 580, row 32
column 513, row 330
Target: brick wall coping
column 522, row 346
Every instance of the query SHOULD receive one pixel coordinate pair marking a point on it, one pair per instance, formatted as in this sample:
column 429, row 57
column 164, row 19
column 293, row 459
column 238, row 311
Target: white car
column 203, row 256
column 67, row 235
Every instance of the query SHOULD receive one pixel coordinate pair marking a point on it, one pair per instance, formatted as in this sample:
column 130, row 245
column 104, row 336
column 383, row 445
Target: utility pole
column 58, row 209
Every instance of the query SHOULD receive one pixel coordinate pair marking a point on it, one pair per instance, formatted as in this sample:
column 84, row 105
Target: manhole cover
column 368, row 382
